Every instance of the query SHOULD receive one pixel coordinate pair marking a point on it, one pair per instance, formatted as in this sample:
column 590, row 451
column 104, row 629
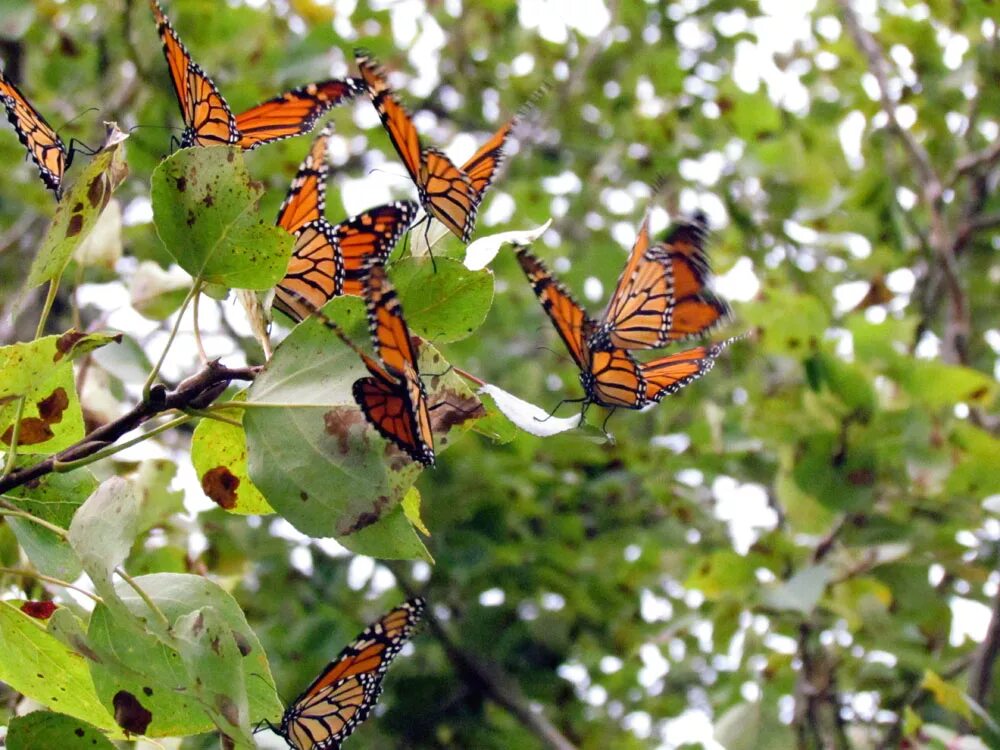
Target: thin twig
column 973, row 162
column 196, row 391
column 488, row 678
column 981, row 671
column 49, row 579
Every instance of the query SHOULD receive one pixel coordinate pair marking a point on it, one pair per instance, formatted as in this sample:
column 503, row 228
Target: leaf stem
column 143, row 595
column 50, row 298
column 64, row 466
column 49, row 579
column 14, row 512
column 195, row 290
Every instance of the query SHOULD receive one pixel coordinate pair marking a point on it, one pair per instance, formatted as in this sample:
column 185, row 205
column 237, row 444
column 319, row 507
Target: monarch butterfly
column 44, row 146
column 393, row 398
column 661, row 294
column 449, row 194
column 610, row 376
column 330, row 260
column 208, row 120
column 343, row 695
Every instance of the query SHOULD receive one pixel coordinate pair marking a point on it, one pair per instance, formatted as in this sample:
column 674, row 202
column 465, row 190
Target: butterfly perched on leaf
column 661, row 297
column 331, row 259
column 448, row 193
column 44, row 146
column 208, row 120
column 343, row 694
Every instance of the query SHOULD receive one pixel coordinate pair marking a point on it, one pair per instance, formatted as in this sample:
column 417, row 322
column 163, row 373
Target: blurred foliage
column 801, row 549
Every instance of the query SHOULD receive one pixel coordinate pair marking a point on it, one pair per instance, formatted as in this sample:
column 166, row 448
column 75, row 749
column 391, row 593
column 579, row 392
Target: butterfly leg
column 585, row 401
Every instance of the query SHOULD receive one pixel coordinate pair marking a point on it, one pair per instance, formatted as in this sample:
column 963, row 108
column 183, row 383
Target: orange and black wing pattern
column 315, row 272
column 343, row 695
column 393, row 398
column 695, row 309
column 483, row 165
column 306, row 199
column 368, row 238
column 294, row 112
column 569, row 318
column 207, row 118
column 638, row 314
column 395, row 119
column 44, row 146
column 209, row 121
column 667, row 375
column 449, row 194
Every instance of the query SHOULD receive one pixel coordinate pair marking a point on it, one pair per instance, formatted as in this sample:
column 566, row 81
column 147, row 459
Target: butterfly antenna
column 531, row 103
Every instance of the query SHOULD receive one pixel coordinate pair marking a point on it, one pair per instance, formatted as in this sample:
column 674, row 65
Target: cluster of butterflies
column 662, row 297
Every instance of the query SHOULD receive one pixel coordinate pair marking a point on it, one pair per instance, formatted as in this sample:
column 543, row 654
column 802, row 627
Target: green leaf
column 78, row 211
column 50, row 729
column 722, row 574
column 156, row 673
column 156, row 500
column 102, row 533
column 393, row 537
column 801, row 592
column 938, row 385
column 947, row 695
column 841, row 477
column 447, row 304
column 36, row 664
column 53, row 498
column 208, row 648
column 219, row 455
column 40, row 372
column 157, row 294
column 738, row 728
column 330, row 473
column 791, row 324
column 205, row 206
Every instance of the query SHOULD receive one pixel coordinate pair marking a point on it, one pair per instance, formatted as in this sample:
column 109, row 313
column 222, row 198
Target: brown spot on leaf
column 303, row 495
column 208, row 200
column 81, row 647
column 338, row 423
column 191, row 218
column 452, row 409
column 182, row 184
column 51, row 409
column 216, row 646
column 75, row 225
column 220, row 484
column 39, row 610
column 66, row 342
column 242, row 643
column 97, row 192
column 228, row 709
column 78, row 732
column 231, row 155
column 130, row 714
column 35, row 430
column 147, row 691
column 367, row 518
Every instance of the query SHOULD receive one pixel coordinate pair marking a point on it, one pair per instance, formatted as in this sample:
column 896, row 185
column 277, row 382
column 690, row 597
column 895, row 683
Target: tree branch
column 197, row 392
column 879, row 67
column 488, row 678
column 972, row 162
column 981, row 671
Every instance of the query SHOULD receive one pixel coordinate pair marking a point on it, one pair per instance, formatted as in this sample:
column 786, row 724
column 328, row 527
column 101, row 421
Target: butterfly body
column 345, row 692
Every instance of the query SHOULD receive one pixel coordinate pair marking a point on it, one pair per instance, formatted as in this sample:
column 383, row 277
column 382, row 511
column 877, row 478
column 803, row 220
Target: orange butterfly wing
column 615, row 379
column 668, row 375
column 294, row 112
column 43, row 143
column 483, row 165
column 447, row 193
column 570, row 320
column 368, row 237
column 315, row 272
column 207, row 117
column 695, row 309
column 395, row 118
column 343, row 695
column 393, row 398
column 306, row 199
